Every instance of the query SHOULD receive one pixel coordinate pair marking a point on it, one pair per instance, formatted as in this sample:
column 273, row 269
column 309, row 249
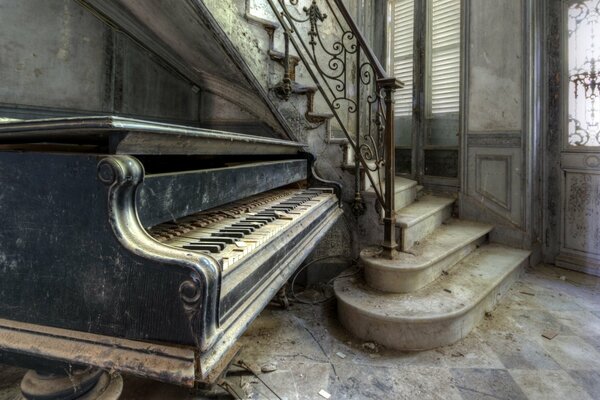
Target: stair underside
column 437, row 315
column 439, row 252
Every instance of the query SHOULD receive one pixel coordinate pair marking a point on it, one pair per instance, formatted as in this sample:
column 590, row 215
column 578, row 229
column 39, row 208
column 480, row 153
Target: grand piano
column 139, row 245
column 128, row 256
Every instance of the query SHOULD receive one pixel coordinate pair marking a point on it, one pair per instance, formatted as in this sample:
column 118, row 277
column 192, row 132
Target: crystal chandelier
column 587, row 80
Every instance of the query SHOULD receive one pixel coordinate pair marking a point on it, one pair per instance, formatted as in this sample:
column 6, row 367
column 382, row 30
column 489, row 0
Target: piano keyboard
column 232, row 232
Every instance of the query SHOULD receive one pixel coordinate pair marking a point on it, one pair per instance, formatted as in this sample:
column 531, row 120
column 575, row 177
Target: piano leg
column 88, row 384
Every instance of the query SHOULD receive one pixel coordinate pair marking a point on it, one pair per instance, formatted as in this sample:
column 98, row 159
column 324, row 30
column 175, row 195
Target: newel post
column 389, row 86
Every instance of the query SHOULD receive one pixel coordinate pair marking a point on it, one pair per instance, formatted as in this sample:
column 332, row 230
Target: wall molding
column 496, row 139
column 504, row 203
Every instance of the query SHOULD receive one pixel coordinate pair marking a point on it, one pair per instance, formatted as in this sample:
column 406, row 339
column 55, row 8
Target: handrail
column 355, row 87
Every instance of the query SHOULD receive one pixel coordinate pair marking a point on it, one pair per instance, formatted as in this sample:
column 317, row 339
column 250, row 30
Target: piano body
column 147, row 248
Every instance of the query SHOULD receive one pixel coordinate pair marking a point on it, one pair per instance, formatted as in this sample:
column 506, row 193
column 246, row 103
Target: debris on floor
column 324, row 394
column 527, row 293
column 303, row 344
column 549, row 334
column 340, row 354
column 268, row 368
column 370, row 346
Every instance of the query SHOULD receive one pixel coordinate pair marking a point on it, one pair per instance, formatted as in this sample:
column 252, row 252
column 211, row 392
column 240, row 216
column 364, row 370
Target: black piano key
column 258, row 221
column 236, row 235
column 205, row 247
column 245, row 231
column 220, row 245
column 250, row 224
column 226, row 240
column 268, row 218
column 211, row 241
column 245, row 226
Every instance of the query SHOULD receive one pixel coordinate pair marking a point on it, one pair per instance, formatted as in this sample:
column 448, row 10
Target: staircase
column 437, row 289
column 447, row 275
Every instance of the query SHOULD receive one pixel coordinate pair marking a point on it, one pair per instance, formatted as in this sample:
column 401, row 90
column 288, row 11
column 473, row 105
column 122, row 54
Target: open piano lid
column 185, row 34
column 132, row 136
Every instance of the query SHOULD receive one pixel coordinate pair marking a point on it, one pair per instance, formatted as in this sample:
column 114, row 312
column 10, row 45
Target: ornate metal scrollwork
column 314, row 14
column 355, row 87
column 347, row 77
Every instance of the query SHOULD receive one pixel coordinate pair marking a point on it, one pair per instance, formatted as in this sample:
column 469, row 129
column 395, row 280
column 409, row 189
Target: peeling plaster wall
column 496, row 66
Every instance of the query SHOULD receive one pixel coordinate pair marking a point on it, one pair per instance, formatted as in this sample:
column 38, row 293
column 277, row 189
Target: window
column 444, row 57
column 403, row 40
column 426, row 57
column 583, row 64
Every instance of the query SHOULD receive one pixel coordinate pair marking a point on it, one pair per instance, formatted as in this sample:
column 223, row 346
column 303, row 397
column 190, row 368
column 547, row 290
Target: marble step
column 405, row 191
column 421, row 218
column 438, row 252
column 438, row 314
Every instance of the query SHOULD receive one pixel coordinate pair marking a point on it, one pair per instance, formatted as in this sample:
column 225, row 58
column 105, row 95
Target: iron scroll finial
column 314, row 14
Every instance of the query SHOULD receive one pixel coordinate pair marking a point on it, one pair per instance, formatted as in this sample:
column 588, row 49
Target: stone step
column 425, row 262
column 420, row 218
column 317, row 117
column 405, row 191
column 438, row 314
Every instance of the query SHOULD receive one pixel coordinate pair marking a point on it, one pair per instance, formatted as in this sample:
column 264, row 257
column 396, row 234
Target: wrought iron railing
column 355, row 87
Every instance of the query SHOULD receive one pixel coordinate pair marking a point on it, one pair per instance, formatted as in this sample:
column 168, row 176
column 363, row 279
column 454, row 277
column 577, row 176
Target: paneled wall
column 499, row 126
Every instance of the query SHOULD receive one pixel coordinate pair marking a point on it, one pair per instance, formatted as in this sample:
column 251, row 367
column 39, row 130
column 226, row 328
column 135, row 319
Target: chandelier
column 587, row 80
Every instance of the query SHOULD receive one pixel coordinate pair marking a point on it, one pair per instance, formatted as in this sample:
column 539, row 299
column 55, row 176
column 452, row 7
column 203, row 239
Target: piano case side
column 63, row 266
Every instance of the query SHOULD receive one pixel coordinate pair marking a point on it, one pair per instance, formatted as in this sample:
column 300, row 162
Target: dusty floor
column 505, row 358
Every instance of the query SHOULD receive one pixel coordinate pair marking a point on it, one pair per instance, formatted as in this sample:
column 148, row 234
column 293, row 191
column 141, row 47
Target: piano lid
column 133, row 136
column 185, row 34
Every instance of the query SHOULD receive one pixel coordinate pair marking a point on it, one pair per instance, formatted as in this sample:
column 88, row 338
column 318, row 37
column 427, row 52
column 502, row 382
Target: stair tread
column 299, row 88
column 445, row 240
column 279, row 55
column 264, row 22
column 400, row 184
column 421, row 209
column 450, row 295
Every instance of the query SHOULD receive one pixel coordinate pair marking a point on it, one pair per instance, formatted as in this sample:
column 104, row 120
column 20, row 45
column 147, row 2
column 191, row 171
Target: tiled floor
column 506, row 357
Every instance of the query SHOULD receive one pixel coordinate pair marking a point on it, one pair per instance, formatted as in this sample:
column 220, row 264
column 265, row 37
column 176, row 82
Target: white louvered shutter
column 444, row 67
column 403, row 33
